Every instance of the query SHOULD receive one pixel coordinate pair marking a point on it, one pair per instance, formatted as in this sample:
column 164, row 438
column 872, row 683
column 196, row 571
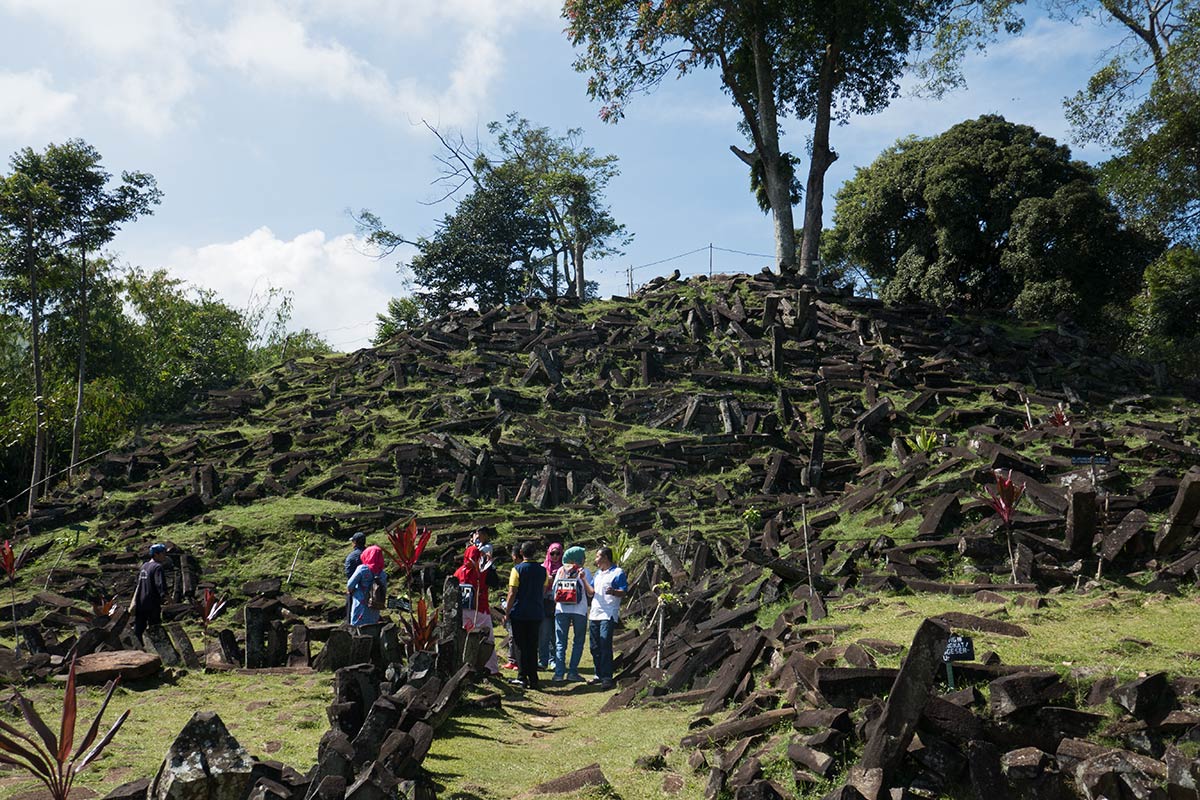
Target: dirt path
column 535, row 736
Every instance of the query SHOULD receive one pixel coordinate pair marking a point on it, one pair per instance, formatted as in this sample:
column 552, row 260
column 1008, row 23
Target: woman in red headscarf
column 472, row 588
column 369, row 572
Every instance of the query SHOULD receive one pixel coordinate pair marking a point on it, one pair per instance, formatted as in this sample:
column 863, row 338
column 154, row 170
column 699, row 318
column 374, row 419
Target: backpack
column 568, row 591
column 466, row 594
column 377, row 595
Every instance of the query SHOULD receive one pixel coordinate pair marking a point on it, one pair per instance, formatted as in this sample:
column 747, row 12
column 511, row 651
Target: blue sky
column 264, row 121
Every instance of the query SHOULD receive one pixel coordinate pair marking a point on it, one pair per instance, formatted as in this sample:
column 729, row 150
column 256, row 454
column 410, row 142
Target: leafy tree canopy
column 776, row 59
column 536, row 197
column 1144, row 104
column 485, row 252
column 989, row 214
column 402, row 313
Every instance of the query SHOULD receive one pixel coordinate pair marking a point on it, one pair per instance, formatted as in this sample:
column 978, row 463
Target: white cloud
column 30, row 106
column 142, row 53
column 146, row 58
column 418, row 17
column 336, row 288
column 276, row 48
column 113, row 29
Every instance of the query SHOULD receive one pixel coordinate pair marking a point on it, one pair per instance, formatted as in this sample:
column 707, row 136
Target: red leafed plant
column 50, row 760
column 208, row 606
column 10, row 562
column 1059, row 417
column 407, row 545
column 1004, row 499
column 421, row 627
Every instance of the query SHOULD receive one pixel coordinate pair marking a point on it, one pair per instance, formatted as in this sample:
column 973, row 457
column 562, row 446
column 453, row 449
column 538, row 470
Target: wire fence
column 703, row 260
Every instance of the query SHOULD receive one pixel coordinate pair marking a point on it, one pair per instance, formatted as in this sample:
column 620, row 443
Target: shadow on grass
column 462, row 726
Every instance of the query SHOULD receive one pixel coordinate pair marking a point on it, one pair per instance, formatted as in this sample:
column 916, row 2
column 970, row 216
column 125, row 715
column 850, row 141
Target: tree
column 92, row 215
column 630, row 46
column 1144, row 104
column 566, row 183
column 403, row 313
column 989, row 214
column 540, row 196
column 31, row 220
column 189, row 339
column 485, row 253
column 812, row 59
column 1166, row 313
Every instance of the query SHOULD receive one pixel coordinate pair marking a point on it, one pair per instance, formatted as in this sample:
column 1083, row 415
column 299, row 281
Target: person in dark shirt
column 359, row 540
column 525, row 610
column 150, row 593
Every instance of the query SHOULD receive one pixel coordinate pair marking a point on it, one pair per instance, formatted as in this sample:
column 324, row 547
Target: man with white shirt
column 609, row 585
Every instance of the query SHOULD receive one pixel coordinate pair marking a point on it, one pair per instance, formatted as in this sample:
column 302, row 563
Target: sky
column 266, row 122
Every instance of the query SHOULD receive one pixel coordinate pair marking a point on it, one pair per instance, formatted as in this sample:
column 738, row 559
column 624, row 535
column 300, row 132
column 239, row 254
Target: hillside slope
column 771, row 452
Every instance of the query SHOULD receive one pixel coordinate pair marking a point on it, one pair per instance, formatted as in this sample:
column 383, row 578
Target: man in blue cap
column 151, row 591
column 359, row 540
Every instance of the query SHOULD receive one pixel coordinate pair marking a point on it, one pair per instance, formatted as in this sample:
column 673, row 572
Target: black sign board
column 959, row 648
column 1097, row 460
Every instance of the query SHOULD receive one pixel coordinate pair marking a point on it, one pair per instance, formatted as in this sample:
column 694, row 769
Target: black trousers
column 145, row 616
column 525, row 633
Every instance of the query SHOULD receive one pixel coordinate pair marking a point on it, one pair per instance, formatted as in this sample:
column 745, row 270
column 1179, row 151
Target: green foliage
column 402, row 314
column 566, row 183
column 1166, row 314
column 923, row 441
column 191, row 340
column 1144, row 103
column 541, row 198
column 485, row 253
column 988, row 214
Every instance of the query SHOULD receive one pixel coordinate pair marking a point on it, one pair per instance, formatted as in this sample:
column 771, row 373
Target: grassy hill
column 743, row 438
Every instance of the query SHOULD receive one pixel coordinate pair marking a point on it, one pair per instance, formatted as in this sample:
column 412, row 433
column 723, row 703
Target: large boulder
column 204, row 763
column 128, row 665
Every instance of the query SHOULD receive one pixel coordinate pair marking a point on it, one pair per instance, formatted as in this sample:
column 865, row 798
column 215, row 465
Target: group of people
column 549, row 604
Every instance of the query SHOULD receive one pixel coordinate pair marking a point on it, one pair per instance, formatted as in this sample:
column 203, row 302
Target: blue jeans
column 600, row 632
column 563, row 623
column 546, row 642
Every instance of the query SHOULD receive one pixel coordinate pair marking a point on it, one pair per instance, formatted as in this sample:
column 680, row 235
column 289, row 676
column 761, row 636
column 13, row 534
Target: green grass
column 542, row 735
column 1075, row 631
column 279, row 717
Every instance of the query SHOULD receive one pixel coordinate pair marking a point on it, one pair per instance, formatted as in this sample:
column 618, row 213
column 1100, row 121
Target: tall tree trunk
column 776, row 172
column 39, row 403
column 577, row 248
column 552, row 289
column 822, row 158
column 569, row 269
column 77, row 423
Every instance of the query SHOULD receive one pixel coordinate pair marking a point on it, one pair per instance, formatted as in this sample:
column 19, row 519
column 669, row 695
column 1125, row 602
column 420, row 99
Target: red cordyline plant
column 8, row 560
column 421, row 627
column 1004, row 499
column 50, row 760
column 407, row 545
column 208, row 606
column 1059, row 417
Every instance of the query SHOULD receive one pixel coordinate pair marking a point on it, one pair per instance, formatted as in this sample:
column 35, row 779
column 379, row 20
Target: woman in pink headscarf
column 359, row 586
column 554, row 560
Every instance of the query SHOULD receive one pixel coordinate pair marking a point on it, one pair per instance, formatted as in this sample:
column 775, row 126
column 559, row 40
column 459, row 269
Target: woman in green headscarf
column 571, row 586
